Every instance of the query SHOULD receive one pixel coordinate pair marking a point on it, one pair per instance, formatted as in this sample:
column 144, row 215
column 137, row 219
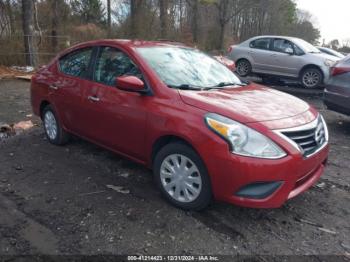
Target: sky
column 332, row 17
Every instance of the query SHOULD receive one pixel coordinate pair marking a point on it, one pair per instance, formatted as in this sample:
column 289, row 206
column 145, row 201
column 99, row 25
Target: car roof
column 274, row 36
column 131, row 43
column 122, row 43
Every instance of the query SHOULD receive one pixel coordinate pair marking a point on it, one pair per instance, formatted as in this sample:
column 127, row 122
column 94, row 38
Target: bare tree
column 54, row 24
column 109, row 21
column 163, row 16
column 194, row 7
column 135, row 17
column 28, row 31
column 227, row 10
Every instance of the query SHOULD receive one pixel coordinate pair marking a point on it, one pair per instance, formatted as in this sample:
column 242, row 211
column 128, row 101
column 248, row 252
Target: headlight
column 329, row 62
column 242, row 139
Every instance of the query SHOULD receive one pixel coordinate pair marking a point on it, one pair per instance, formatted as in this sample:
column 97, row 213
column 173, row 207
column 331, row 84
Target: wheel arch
column 42, row 106
column 244, row 58
column 311, row 66
column 164, row 140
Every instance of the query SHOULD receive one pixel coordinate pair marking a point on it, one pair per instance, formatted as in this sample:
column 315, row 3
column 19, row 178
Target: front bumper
column 289, row 177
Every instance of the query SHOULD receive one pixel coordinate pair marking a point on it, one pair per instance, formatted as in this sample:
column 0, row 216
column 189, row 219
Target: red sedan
column 180, row 112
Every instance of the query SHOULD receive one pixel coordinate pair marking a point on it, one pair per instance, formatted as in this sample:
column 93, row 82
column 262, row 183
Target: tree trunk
column 135, row 11
column 109, row 20
column 222, row 28
column 54, row 25
column 163, row 15
column 28, row 32
column 194, row 21
column 11, row 17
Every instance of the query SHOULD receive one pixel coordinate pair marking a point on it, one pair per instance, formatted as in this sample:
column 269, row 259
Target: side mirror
column 289, row 51
column 130, row 83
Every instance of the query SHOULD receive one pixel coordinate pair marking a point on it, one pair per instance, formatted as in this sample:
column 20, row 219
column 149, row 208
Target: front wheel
column 311, row 78
column 182, row 177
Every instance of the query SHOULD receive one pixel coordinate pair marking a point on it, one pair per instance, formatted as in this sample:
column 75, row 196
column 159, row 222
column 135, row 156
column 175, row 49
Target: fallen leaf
column 118, row 189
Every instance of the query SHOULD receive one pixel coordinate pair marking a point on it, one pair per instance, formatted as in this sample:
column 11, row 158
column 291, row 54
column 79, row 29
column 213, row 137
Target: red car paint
column 131, row 123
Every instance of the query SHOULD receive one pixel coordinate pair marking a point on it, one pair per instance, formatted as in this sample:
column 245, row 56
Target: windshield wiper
column 186, row 87
column 223, row 84
column 218, row 86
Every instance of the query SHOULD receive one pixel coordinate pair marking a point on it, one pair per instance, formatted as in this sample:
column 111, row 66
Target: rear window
column 262, row 43
column 76, row 63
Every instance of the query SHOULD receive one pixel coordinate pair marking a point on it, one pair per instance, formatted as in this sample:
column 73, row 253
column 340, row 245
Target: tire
column 243, row 67
column 311, row 77
column 53, row 128
column 188, row 190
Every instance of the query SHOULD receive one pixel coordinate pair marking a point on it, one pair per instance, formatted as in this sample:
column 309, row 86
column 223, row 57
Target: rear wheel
column 243, row 67
column 182, row 177
column 53, row 129
column 311, row 77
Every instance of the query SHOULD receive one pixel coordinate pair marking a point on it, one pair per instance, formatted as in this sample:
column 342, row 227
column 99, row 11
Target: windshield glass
column 181, row 66
column 307, row 47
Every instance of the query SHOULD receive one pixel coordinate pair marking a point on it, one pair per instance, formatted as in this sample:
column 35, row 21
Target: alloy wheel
column 311, row 78
column 243, row 68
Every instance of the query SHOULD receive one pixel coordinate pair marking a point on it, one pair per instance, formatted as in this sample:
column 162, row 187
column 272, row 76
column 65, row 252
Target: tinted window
column 112, row 63
column 262, row 43
column 76, row 63
column 282, row 45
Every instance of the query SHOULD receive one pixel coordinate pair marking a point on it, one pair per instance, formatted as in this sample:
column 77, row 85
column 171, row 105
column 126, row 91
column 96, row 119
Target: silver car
column 282, row 56
column 337, row 91
column 330, row 51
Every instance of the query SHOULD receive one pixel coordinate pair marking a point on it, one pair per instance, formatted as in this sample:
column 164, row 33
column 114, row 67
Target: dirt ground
column 60, row 200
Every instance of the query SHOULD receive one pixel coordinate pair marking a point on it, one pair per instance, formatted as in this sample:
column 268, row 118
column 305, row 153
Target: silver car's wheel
column 50, row 123
column 180, row 178
column 244, row 68
column 311, row 78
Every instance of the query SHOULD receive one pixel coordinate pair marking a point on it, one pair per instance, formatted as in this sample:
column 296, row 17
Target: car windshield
column 187, row 68
column 307, row 47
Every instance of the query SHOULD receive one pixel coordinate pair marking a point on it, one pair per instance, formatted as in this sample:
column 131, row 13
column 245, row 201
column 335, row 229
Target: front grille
column 309, row 138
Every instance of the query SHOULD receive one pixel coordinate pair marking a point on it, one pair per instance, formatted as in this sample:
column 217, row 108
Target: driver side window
column 282, row 46
column 112, row 63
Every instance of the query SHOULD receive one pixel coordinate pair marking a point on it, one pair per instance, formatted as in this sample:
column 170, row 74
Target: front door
column 116, row 118
column 285, row 62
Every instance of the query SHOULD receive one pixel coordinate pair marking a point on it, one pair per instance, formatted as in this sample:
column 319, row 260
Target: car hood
column 325, row 56
column 247, row 104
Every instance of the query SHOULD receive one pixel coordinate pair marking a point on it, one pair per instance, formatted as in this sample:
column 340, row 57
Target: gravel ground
column 61, row 200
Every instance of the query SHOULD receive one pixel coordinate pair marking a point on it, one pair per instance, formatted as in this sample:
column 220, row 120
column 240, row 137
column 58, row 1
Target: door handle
column 53, row 86
column 93, row 98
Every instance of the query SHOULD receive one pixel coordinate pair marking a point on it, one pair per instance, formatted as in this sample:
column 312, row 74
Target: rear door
column 73, row 71
column 116, row 118
column 261, row 54
column 285, row 60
